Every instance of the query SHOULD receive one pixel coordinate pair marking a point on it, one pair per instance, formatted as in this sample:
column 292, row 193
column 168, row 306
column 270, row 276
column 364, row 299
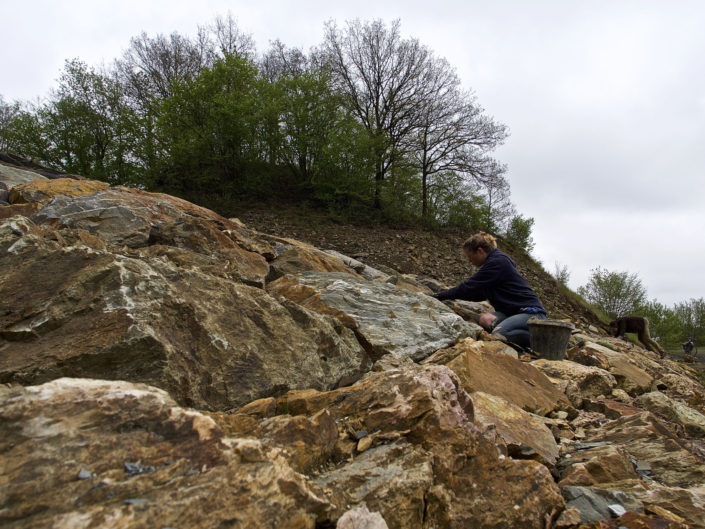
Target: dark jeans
column 515, row 328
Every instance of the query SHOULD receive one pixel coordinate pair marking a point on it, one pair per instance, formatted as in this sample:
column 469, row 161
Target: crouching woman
column 498, row 281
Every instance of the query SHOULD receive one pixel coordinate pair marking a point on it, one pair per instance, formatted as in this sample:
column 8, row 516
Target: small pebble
column 135, row 501
column 85, row 474
column 359, row 434
column 617, row 509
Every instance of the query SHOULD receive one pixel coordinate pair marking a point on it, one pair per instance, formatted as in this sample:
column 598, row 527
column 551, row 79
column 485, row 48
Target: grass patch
column 608, row 345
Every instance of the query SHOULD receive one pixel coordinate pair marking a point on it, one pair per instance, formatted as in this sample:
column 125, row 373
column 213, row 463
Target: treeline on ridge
column 366, row 122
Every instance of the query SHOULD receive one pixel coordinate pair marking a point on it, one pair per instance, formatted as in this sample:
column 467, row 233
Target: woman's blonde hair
column 480, row 240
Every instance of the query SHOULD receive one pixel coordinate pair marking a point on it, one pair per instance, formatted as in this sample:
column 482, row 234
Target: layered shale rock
column 641, row 458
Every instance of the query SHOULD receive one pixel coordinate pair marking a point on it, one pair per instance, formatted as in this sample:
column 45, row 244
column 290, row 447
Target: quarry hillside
column 162, row 365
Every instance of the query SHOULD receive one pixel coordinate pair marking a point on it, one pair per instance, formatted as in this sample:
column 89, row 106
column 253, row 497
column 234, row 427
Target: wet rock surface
column 163, row 366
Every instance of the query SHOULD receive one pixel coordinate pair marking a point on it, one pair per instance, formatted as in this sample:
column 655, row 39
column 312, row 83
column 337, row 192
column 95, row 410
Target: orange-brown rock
column 588, row 380
column 524, row 434
column 670, row 476
column 629, row 376
column 25, row 210
column 296, row 259
column 601, row 464
column 482, row 366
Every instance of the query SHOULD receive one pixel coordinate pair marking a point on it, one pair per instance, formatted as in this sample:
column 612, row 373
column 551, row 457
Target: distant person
column 498, row 281
column 640, row 326
column 689, row 346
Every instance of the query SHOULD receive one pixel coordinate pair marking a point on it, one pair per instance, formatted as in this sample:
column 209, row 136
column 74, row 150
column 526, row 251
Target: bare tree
column 225, row 38
column 151, row 65
column 383, row 77
column 280, row 61
column 454, row 135
column 497, row 194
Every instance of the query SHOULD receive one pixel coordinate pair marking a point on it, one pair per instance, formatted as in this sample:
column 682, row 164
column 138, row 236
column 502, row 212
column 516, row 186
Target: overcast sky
column 605, row 101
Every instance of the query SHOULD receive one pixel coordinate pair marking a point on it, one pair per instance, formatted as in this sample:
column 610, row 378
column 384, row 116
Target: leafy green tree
column 663, row 322
column 84, row 128
column 614, row 293
column 8, row 112
column 562, row 274
column 23, row 134
column 209, row 130
column 519, row 233
column 691, row 315
column 325, row 148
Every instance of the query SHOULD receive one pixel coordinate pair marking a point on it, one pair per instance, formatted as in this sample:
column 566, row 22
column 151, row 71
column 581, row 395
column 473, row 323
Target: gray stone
column 594, row 503
column 391, row 320
column 12, row 176
column 361, row 268
column 361, row 518
column 393, row 479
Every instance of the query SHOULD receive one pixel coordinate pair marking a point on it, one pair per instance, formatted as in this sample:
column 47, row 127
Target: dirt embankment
column 431, row 253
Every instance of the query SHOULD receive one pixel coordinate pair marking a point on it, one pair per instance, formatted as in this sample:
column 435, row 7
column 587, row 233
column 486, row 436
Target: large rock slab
column 525, row 435
column 88, row 453
column 42, row 191
column 392, row 479
column 25, row 210
column 294, row 259
column 210, row 341
column 123, row 216
column 598, row 464
column 483, row 366
column 628, row 374
column 205, row 238
column 670, row 473
column 389, row 319
column 12, row 176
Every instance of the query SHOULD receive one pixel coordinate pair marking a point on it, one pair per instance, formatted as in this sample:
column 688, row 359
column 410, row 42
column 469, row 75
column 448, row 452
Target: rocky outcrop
column 409, row 448
column 223, row 377
column 157, row 317
column 486, row 367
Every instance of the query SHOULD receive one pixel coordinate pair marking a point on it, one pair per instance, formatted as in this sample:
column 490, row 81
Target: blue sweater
column 499, row 282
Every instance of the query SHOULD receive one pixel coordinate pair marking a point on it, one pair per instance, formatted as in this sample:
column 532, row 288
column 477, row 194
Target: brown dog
column 640, row 326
